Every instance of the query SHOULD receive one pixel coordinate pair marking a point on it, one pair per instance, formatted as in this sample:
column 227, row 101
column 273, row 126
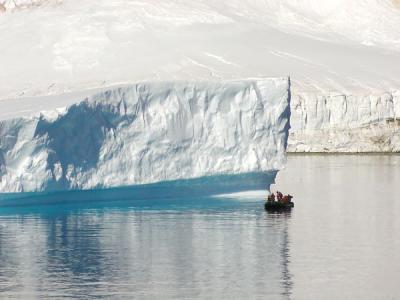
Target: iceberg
column 149, row 132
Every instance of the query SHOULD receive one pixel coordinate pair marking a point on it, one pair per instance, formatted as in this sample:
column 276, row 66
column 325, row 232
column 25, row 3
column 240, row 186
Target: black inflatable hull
column 276, row 206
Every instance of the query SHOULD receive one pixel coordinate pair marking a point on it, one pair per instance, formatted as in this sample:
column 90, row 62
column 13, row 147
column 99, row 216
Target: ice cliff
column 336, row 122
column 148, row 132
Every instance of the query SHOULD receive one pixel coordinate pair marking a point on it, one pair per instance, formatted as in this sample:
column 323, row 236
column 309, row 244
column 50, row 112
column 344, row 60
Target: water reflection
column 217, row 247
column 286, row 277
column 344, row 226
column 229, row 248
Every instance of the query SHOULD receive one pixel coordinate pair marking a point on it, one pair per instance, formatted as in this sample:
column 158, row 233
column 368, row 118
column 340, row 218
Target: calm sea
column 341, row 240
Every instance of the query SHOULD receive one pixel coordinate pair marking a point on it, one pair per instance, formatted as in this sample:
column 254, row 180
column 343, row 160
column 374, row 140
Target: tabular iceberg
column 149, row 132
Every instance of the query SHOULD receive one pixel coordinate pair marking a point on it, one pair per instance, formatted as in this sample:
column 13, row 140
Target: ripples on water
column 213, row 248
column 162, row 253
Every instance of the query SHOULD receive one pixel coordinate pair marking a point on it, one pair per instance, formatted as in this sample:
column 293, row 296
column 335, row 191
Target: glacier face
column 337, row 122
column 148, row 132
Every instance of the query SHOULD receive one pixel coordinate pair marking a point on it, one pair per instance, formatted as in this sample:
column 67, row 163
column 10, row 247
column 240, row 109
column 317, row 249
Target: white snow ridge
column 149, row 132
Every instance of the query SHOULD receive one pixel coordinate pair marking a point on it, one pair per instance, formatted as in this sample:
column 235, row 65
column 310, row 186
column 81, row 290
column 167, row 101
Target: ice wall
column 335, row 122
column 149, row 132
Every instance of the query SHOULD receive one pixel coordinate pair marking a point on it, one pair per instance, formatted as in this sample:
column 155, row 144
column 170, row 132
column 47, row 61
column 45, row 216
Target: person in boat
column 271, row 197
column 279, row 196
column 287, row 199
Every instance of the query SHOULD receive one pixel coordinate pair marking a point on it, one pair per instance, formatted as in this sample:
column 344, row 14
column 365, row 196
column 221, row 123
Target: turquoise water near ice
column 158, row 241
column 174, row 189
column 341, row 240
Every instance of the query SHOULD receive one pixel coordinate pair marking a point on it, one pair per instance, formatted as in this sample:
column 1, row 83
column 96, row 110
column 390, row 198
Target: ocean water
column 341, row 240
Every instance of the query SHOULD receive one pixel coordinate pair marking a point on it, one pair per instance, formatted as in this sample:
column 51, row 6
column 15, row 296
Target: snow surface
column 328, row 47
column 12, row 5
column 148, row 132
column 323, row 45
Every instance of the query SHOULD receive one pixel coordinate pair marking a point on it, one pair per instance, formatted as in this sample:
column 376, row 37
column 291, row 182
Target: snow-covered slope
column 328, row 47
column 148, row 132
